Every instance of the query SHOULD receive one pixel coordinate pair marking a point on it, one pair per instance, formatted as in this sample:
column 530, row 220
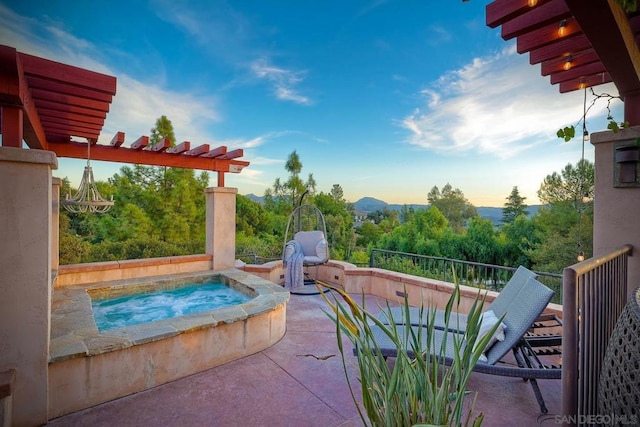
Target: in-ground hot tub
column 88, row 367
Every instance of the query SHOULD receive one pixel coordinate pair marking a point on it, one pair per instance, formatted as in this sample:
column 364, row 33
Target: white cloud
column 137, row 106
column 284, row 81
column 497, row 105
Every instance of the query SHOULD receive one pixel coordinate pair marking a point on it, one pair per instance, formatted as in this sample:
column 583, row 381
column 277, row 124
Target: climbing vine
column 569, row 132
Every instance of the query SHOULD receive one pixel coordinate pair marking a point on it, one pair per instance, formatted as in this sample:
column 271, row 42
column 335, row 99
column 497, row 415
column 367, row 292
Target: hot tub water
column 142, row 308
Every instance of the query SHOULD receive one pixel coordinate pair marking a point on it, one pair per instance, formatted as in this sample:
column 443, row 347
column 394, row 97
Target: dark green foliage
column 453, row 205
column 514, row 207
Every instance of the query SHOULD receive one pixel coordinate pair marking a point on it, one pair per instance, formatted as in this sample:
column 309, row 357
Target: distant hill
column 371, row 204
column 259, row 199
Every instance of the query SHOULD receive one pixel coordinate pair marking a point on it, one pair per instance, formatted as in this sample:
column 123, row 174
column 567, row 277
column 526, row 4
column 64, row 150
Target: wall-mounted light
column 532, row 3
column 567, row 63
column 582, row 84
column 562, row 28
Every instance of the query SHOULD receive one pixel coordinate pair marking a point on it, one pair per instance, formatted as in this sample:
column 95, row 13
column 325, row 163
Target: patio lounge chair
column 520, row 314
column 458, row 321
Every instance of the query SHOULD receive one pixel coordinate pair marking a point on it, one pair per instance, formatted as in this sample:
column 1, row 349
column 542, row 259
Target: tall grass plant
column 417, row 388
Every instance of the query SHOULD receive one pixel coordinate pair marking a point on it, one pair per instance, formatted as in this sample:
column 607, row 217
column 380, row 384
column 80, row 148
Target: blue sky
column 387, row 98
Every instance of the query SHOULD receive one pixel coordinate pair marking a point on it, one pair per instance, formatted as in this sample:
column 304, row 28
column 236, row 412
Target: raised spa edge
column 74, row 332
column 88, row 367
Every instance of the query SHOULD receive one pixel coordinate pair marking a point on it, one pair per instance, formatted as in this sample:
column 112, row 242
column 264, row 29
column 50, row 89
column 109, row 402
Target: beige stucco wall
column 55, row 223
column 221, row 226
column 25, row 279
column 616, row 219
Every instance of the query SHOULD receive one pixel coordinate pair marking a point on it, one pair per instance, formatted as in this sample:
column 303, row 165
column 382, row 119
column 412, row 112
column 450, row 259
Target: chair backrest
column 511, row 290
column 519, row 315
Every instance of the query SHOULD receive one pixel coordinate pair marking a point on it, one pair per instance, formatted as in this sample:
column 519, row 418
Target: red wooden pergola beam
column 83, row 133
column 534, row 18
column 145, row 157
column 234, row 154
column 59, row 98
column 161, row 145
column 180, row 148
column 71, row 109
column 556, row 65
column 582, row 82
column 36, row 82
column 561, row 48
column 70, row 124
column 197, row 151
column 547, row 35
column 216, row 152
column 608, row 28
column 578, row 72
column 140, row 143
column 117, row 140
column 500, row 11
column 40, row 67
column 14, row 93
column 47, row 113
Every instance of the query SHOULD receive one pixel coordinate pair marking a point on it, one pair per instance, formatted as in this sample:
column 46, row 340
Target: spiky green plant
column 411, row 391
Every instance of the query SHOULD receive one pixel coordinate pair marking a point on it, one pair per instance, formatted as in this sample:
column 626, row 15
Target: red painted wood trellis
column 48, row 105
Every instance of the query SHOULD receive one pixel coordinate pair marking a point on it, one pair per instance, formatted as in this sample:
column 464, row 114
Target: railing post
column 569, row 344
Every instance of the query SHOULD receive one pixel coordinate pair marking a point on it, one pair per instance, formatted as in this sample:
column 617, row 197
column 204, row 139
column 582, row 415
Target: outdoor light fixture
column 580, row 256
column 87, row 199
column 562, row 28
column 567, row 63
column 532, row 3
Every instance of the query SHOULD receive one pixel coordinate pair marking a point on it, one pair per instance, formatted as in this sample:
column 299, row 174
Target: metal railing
column 595, row 292
column 256, row 259
column 476, row 274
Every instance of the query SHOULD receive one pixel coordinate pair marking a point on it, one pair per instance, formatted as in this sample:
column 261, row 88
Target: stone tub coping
column 74, row 332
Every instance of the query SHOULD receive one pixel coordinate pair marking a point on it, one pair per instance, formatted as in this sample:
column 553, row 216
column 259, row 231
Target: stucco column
column 25, row 282
column 616, row 206
column 221, row 226
column 56, row 183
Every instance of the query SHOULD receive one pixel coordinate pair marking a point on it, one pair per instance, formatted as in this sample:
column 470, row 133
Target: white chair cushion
column 309, row 241
column 489, row 319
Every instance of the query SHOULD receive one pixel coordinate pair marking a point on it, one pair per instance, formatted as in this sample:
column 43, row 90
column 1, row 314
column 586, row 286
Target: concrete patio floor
column 289, row 384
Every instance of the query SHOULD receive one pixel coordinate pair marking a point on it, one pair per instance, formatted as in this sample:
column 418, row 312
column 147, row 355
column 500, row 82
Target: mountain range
column 370, row 204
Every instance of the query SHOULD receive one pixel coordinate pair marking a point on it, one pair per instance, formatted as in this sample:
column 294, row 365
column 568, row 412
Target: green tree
column 368, row 234
column 565, row 224
column 284, row 196
column 573, row 185
column 162, row 129
column 514, row 207
column 380, row 215
column 453, row 205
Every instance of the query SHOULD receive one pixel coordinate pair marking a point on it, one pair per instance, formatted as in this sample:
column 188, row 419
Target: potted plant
column 416, row 391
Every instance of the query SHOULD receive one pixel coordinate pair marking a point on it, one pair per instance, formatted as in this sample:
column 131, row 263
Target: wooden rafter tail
column 197, row 151
column 117, row 140
column 500, row 11
column 540, row 16
column 180, row 148
column 216, row 152
column 233, row 154
column 140, row 143
column 161, row 145
column 578, row 72
column 70, row 124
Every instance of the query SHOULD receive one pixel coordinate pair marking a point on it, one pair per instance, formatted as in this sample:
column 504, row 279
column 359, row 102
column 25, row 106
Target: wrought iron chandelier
column 88, row 198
